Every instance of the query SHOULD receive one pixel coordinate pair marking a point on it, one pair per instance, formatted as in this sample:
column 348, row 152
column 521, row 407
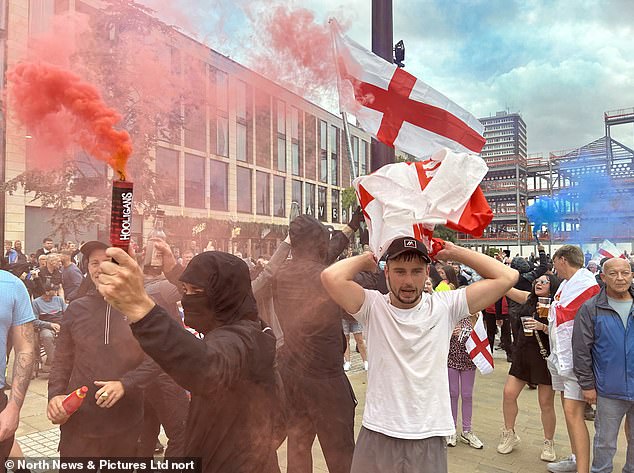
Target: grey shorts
column 379, row 453
column 351, row 326
column 566, row 384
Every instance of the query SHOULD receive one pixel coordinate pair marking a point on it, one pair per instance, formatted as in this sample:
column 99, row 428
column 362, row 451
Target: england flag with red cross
column 479, row 348
column 397, row 108
column 409, row 199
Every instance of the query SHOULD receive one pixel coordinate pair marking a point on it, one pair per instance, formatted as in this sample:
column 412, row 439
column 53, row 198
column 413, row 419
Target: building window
column 279, row 196
column 222, row 136
column 175, row 60
column 194, row 181
column 355, row 155
column 218, row 179
column 195, row 128
column 297, row 193
column 244, row 189
column 281, row 154
column 334, row 155
column 262, row 192
column 167, row 176
column 263, row 129
column 295, row 157
column 335, row 206
column 281, row 118
column 221, row 91
column 363, row 158
column 310, row 200
column 90, row 176
column 241, row 142
column 321, row 204
column 323, row 151
column 241, row 100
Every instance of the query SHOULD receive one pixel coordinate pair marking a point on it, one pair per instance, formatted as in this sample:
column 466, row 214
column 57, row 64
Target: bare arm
column 518, row 296
column 270, row 270
column 338, row 280
column 498, row 278
column 23, row 339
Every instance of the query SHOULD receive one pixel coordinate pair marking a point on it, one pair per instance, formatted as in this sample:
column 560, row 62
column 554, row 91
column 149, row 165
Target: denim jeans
column 607, row 423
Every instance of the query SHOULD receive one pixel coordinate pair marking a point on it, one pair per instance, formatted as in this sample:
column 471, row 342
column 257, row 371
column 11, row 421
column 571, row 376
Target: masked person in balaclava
column 320, row 400
column 524, row 283
column 230, row 373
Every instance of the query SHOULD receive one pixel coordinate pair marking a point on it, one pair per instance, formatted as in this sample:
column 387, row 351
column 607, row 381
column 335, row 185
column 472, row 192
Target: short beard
column 417, row 300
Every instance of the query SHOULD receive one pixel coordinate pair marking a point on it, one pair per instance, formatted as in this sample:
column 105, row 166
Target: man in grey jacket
column 603, row 350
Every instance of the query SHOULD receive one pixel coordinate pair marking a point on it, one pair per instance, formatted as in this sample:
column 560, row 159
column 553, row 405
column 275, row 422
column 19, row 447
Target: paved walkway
column 38, row 437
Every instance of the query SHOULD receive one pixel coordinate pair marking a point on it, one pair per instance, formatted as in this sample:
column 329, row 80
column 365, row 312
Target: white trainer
column 548, row 451
column 346, row 366
column 451, row 440
column 471, row 439
column 508, row 441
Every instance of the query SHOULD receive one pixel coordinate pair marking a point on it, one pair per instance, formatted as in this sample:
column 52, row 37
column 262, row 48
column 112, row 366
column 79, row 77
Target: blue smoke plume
column 593, row 208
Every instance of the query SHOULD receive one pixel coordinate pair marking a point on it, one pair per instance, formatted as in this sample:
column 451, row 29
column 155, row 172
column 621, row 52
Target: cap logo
column 409, row 243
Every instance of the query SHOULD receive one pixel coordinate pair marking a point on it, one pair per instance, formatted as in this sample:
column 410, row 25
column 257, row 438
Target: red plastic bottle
column 73, row 401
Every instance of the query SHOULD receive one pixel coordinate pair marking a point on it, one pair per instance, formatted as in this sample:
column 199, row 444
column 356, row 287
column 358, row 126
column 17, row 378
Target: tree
column 445, row 233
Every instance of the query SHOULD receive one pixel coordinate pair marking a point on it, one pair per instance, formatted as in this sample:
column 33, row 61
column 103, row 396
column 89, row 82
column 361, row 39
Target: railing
column 500, row 161
column 623, row 112
column 506, row 186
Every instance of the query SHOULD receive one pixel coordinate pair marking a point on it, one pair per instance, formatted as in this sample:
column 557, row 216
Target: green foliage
column 445, row 233
column 348, row 198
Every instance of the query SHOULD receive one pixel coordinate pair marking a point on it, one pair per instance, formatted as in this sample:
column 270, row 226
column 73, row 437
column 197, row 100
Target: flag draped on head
column 409, row 199
column 479, row 348
column 396, row 107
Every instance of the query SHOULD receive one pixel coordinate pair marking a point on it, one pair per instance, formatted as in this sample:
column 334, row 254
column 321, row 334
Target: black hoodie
column 230, row 373
column 310, row 319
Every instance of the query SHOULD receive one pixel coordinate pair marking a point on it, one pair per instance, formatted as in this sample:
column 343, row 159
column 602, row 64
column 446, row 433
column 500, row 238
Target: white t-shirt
column 408, row 387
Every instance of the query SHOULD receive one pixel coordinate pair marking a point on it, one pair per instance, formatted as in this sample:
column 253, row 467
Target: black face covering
column 227, row 298
column 198, row 315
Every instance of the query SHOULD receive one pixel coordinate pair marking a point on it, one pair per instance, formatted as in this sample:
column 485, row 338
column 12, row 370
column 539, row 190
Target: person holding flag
column 578, row 286
column 407, row 415
column 461, row 381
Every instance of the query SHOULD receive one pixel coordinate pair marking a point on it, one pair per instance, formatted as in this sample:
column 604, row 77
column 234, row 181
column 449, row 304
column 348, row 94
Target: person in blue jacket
column 603, row 356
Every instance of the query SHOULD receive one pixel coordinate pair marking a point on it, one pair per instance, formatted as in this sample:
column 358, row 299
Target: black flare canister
column 121, row 214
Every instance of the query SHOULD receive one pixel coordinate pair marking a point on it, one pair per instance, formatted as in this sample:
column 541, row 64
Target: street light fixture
column 399, row 54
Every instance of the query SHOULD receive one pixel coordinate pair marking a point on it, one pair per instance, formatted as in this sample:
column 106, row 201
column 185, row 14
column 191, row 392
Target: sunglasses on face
column 542, row 281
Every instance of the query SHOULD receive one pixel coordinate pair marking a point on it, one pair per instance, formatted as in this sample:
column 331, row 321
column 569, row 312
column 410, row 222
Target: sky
column 560, row 63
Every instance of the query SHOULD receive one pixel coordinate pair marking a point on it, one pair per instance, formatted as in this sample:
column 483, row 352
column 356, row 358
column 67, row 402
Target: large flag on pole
column 397, row 108
column 479, row 348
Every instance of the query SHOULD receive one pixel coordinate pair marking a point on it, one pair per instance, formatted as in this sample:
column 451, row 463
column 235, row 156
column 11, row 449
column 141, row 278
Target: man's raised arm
column 498, row 278
column 338, row 281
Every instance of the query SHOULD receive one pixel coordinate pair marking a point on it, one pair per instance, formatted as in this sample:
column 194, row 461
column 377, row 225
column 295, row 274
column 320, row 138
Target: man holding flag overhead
column 408, row 413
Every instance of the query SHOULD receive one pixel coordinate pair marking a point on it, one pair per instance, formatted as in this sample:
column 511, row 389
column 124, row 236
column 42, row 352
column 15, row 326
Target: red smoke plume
column 43, row 96
column 293, row 48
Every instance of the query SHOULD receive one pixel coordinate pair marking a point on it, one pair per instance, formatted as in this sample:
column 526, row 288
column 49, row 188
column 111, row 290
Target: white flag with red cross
column 409, row 199
column 397, row 108
column 479, row 348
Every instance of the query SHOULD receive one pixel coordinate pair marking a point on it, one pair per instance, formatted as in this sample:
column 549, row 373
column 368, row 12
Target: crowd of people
column 222, row 350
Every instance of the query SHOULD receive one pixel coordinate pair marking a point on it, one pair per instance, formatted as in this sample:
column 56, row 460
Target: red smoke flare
column 39, row 92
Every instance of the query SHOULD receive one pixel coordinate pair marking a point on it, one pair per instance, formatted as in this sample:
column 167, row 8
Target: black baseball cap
column 91, row 246
column 403, row 244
